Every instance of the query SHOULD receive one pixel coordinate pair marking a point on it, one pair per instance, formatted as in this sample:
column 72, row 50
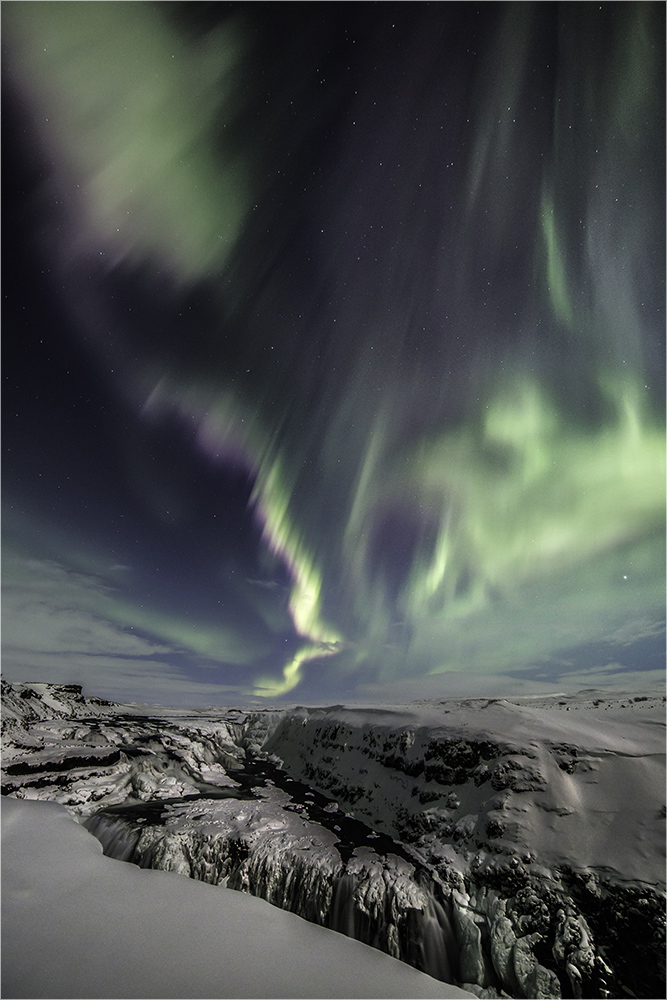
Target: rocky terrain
column 515, row 848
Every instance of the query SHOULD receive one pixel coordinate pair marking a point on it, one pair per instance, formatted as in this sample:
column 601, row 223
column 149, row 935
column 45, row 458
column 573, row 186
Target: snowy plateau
column 490, row 848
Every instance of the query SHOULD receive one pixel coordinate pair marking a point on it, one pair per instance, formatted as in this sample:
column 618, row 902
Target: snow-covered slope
column 577, row 784
column 30, row 702
column 515, row 848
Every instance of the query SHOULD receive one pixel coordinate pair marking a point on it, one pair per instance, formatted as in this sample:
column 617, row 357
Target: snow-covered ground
column 513, row 847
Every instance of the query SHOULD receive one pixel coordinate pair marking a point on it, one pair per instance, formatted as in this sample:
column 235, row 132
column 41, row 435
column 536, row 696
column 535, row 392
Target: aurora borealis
column 334, row 348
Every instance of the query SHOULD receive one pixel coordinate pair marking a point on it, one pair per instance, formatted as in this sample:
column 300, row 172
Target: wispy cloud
column 453, row 685
column 62, row 625
column 50, row 609
column 613, row 676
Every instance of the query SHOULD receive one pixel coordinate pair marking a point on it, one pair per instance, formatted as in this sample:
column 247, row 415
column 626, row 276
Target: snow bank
column 78, row 924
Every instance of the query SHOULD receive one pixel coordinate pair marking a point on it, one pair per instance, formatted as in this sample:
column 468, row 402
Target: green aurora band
column 126, row 106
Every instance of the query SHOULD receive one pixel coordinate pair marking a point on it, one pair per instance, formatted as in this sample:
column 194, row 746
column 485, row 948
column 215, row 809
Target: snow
column 78, row 924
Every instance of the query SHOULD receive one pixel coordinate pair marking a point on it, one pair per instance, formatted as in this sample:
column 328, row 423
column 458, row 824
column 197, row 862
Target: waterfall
column 423, row 937
column 343, row 908
column 437, row 941
column 118, row 839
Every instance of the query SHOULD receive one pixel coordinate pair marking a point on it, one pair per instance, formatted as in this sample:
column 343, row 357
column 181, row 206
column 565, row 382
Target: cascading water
column 421, row 935
column 118, row 839
column 344, row 915
column 436, row 940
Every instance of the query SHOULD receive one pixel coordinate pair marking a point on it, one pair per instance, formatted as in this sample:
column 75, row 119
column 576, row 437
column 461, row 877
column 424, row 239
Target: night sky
column 333, row 345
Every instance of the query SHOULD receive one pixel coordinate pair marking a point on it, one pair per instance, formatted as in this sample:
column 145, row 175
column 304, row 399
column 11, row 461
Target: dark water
column 351, row 833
